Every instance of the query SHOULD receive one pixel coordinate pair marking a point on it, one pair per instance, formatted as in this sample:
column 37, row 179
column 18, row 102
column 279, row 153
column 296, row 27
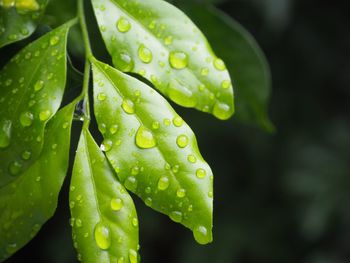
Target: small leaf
column 153, row 151
column 104, row 220
column 18, row 19
column 31, row 90
column 244, row 58
column 156, row 40
column 29, row 201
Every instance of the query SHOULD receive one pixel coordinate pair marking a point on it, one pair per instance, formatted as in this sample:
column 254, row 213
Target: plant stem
column 88, row 54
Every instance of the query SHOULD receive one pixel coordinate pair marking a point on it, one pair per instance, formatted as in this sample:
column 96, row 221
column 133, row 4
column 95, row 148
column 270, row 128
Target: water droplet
column 102, row 236
column 121, row 260
column 135, row 170
column 201, row 173
column 145, row 54
column 38, row 179
column 131, row 183
column 145, row 138
column 132, row 256
column 26, row 155
column 38, row 85
column 11, row 248
column 78, row 222
column 191, row 158
column 182, row 141
column 219, row 64
column 5, row 133
column 148, row 201
column 15, row 168
column 178, row 60
column 135, row 222
column 128, row 106
column 176, row 216
column 26, row 119
column 181, row 94
column 163, row 183
column 123, row 25
column 54, row 40
column 106, row 145
column 116, row 204
column 166, row 122
column 201, row 235
column 178, row 121
column 222, row 110
column 65, row 125
column 44, row 115
column 71, row 204
column 101, row 96
column 226, row 84
column 155, row 125
column 113, row 129
column 123, row 62
column 148, row 190
column 168, row 40
column 204, row 71
column 210, row 194
column 181, row 193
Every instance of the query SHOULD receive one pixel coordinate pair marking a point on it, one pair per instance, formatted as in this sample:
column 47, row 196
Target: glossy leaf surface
column 29, row 201
column 153, row 151
column 19, row 18
column 104, row 220
column 31, row 90
column 244, row 59
column 156, row 40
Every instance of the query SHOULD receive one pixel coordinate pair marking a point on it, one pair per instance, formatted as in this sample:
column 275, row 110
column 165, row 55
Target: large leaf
column 104, row 220
column 31, row 90
column 18, row 19
column 29, row 201
column 156, row 40
column 153, row 151
column 244, row 59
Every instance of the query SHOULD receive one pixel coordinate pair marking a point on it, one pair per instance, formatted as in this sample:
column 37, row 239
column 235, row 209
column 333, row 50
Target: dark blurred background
column 280, row 197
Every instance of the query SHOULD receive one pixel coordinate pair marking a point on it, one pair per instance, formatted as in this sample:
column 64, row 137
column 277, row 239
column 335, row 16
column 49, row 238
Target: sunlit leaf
column 29, row 201
column 104, row 220
column 19, row 18
column 156, row 40
column 153, row 151
column 31, row 90
column 244, row 58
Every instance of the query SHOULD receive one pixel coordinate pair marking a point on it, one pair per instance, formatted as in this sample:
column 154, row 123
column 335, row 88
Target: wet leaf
column 104, row 220
column 29, row 201
column 19, row 18
column 156, row 40
column 244, row 58
column 31, row 90
column 153, row 151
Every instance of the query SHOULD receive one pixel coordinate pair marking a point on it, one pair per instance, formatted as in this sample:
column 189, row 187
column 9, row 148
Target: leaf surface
column 18, row 19
column 104, row 220
column 29, row 201
column 31, row 89
column 244, row 58
column 159, row 42
column 153, row 151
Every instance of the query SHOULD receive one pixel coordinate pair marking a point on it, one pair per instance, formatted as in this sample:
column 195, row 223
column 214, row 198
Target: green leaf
column 245, row 60
column 153, row 151
column 29, row 201
column 31, row 90
column 18, row 19
column 156, row 40
column 104, row 220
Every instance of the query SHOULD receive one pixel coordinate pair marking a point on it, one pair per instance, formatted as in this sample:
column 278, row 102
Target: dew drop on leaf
column 106, row 145
column 222, row 110
column 182, row 141
column 5, row 133
column 54, row 40
column 176, row 216
column 145, row 138
column 26, row 119
column 201, row 173
column 26, row 155
column 116, row 204
column 226, row 84
column 132, row 256
column 163, row 183
column 178, row 60
column 135, row 222
column 102, row 236
column 101, row 96
column 131, row 183
column 128, row 106
column 181, row 193
column 219, row 64
column 200, row 234
column 191, row 158
column 123, row 25
column 15, row 168
column 113, row 129
column 178, row 121
column 38, row 85
column 145, row 54
column 44, row 115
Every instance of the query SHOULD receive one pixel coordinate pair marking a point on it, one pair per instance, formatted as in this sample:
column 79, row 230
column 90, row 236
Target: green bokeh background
column 278, row 198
